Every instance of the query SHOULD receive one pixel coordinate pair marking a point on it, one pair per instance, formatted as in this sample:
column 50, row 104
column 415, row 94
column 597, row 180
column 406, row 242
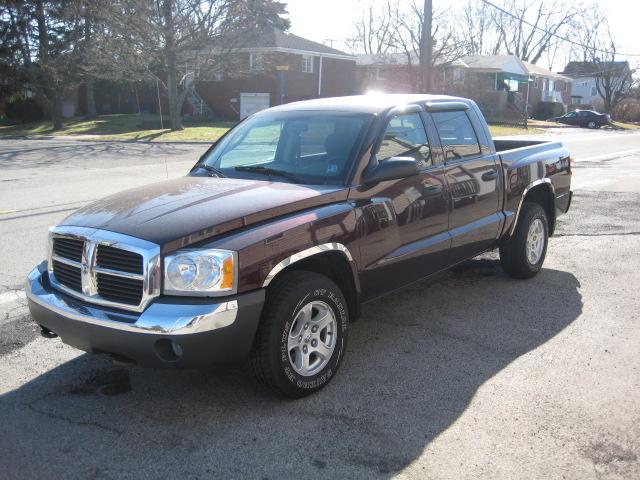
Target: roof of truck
column 370, row 103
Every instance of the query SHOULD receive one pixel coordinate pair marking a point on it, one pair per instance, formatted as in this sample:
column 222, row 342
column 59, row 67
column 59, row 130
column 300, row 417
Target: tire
column 514, row 254
column 297, row 299
column 592, row 124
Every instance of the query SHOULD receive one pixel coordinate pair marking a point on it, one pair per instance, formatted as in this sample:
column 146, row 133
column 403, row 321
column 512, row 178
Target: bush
column 627, row 111
column 23, row 110
column 547, row 110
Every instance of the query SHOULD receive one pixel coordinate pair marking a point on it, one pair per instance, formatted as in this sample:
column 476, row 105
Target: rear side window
column 457, row 136
column 405, row 137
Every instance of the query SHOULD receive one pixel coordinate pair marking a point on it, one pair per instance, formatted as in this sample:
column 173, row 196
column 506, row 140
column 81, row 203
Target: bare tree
column 396, row 27
column 374, row 30
column 478, row 27
column 179, row 42
column 525, row 28
column 595, row 46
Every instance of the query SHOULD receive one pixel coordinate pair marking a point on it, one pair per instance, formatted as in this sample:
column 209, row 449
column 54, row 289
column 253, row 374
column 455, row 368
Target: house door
column 251, row 103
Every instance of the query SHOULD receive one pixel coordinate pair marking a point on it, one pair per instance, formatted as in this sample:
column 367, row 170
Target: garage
column 251, row 103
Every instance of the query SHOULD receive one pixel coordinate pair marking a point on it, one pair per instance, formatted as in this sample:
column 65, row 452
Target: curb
column 91, row 139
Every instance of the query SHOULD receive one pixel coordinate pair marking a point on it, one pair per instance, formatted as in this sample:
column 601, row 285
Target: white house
column 584, row 90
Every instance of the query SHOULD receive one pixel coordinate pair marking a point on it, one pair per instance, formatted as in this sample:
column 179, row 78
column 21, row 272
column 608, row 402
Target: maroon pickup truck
column 284, row 227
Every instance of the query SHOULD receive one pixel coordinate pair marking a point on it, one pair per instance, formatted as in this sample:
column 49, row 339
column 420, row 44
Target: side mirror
column 391, row 169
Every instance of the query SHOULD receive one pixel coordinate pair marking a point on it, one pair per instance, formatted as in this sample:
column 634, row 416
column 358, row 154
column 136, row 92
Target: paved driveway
column 467, row 375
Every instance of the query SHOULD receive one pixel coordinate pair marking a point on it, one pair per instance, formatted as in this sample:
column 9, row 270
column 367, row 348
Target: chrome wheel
column 312, row 338
column 535, row 241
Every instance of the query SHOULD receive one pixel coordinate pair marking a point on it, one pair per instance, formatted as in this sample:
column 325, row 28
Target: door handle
column 490, row 175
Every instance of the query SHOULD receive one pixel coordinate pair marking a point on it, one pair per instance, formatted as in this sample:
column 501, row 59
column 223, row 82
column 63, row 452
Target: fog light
column 176, row 349
column 168, row 350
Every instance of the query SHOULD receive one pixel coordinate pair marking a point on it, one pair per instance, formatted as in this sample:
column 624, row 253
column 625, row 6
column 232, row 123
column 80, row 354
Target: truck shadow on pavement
column 414, row 363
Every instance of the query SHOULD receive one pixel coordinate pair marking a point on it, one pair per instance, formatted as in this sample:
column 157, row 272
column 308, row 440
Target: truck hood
column 180, row 212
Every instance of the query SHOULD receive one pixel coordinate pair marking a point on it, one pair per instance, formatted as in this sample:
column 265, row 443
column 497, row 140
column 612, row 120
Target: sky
column 332, row 21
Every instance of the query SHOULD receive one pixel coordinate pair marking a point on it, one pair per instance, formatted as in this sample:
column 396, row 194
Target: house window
column 256, row 63
column 536, row 82
column 594, row 91
column 307, row 63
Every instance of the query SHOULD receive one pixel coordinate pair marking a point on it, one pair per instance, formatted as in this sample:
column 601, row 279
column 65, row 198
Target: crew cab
column 289, row 223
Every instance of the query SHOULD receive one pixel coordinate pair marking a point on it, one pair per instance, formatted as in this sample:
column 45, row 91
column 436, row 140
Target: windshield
column 299, row 147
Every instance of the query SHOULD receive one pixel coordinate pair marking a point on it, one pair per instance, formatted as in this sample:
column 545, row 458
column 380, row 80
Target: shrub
column 23, row 110
column 547, row 110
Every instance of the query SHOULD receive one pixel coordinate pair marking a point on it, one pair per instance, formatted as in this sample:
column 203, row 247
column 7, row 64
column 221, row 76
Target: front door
column 472, row 174
column 404, row 222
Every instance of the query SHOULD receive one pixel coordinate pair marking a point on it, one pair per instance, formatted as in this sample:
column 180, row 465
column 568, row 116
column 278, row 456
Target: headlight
column 200, row 272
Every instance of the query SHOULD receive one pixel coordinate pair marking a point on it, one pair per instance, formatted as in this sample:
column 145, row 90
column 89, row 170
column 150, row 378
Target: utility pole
column 426, row 46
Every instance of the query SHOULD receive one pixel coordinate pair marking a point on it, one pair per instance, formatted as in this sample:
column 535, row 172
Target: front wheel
column 592, row 124
column 523, row 254
column 302, row 334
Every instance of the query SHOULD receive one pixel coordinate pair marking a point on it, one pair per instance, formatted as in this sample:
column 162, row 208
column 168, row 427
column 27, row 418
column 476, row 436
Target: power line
column 506, row 12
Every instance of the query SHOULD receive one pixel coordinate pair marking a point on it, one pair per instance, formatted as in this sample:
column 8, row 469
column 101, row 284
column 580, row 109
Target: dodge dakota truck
column 267, row 249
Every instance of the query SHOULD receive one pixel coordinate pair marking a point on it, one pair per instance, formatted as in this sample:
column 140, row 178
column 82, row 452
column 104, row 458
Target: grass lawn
column 626, row 126
column 122, row 127
column 142, row 128
column 502, row 130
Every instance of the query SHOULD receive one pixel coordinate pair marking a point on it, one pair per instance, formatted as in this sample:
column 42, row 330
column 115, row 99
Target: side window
column 456, row 133
column 405, row 137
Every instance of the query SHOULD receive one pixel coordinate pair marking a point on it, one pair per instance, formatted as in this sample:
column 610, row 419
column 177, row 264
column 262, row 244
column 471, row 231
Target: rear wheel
column 302, row 334
column 523, row 254
column 592, row 124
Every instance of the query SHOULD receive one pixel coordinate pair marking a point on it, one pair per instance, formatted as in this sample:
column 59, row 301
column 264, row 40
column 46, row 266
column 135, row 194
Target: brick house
column 276, row 68
column 498, row 83
column 389, row 73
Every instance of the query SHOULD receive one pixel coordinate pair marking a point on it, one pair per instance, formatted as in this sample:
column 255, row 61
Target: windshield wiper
column 267, row 171
column 213, row 172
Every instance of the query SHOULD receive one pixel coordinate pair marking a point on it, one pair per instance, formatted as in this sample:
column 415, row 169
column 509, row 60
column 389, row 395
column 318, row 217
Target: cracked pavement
column 467, row 375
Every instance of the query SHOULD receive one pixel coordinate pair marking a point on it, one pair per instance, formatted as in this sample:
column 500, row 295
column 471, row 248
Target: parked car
column 584, row 118
column 282, row 230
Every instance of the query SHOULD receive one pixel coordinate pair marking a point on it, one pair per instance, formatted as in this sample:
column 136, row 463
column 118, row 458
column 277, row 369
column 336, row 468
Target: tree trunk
column 91, row 99
column 56, row 111
column 175, row 106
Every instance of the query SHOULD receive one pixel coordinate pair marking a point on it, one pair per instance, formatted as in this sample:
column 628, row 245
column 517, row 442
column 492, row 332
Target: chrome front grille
column 104, row 267
column 119, row 289
column 69, row 248
column 118, row 259
column 67, row 275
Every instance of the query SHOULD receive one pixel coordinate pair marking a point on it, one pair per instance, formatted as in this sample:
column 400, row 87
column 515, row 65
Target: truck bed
column 505, row 143
column 512, row 152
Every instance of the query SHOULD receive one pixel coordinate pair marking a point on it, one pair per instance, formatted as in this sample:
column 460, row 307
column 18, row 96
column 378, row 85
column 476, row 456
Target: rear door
column 471, row 171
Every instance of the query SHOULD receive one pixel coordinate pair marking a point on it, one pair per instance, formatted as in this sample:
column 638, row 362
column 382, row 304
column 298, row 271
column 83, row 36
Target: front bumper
column 206, row 333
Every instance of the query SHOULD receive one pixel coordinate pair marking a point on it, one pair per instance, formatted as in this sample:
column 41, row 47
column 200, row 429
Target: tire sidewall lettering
column 337, row 305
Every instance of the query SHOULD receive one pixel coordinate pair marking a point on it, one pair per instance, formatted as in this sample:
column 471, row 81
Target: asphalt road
column 468, row 375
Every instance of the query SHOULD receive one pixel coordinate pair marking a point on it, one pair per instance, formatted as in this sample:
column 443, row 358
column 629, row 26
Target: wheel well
column 335, row 266
column 543, row 196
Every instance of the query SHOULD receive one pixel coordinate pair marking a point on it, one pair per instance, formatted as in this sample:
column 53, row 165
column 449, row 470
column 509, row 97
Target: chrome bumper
column 160, row 318
column 207, row 333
